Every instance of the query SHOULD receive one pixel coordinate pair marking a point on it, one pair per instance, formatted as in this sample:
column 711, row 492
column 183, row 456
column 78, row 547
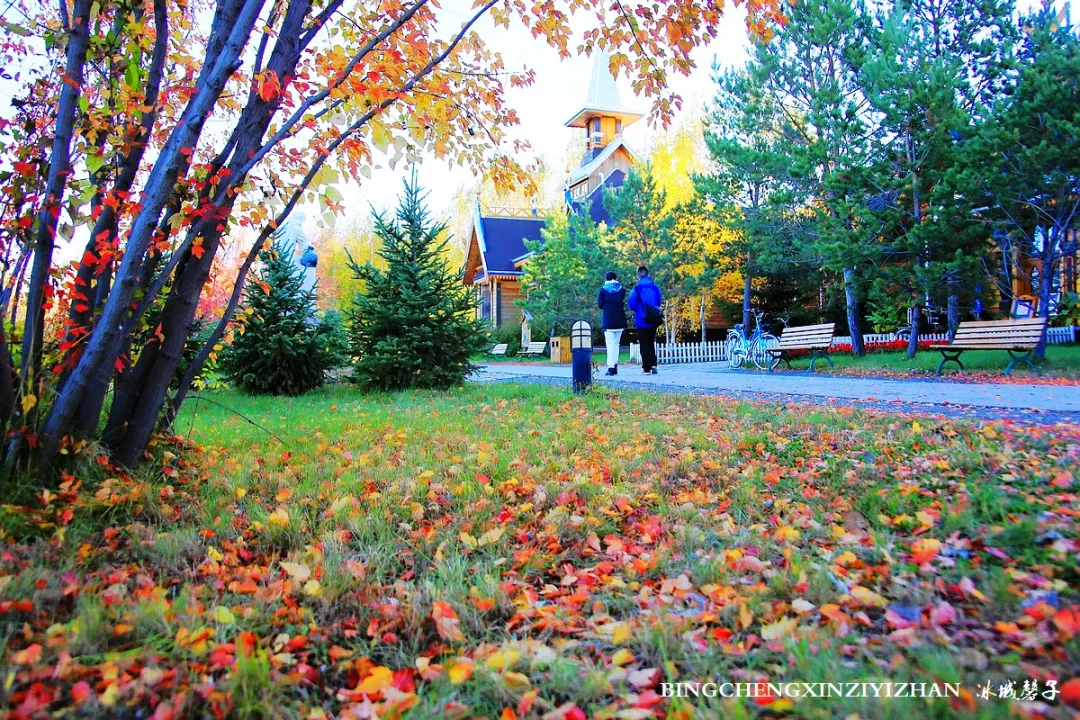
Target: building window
column 618, row 127
column 579, row 191
column 485, row 303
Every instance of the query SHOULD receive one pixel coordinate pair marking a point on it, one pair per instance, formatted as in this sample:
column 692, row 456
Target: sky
column 559, row 90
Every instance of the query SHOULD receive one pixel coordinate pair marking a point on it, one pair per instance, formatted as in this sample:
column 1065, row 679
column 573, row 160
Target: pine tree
column 412, row 325
column 278, row 351
column 566, row 270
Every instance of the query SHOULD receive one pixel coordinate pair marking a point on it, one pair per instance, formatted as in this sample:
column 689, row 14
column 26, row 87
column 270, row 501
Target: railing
column 674, row 353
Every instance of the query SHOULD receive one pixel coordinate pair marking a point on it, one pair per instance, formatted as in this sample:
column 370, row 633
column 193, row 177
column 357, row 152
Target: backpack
column 654, row 315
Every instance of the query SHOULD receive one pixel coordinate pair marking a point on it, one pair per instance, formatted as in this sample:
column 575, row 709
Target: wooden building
column 496, row 250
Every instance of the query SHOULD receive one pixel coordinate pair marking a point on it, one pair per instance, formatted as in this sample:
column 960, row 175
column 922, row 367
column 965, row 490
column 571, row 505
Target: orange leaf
column 460, row 670
column 446, row 622
column 1067, row 620
column 29, row 656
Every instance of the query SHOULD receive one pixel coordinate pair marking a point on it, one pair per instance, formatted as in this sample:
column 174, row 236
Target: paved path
column 986, row 399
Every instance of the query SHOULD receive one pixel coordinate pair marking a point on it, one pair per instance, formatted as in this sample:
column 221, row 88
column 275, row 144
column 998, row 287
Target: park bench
column 534, row 348
column 813, row 338
column 1018, row 337
column 499, row 349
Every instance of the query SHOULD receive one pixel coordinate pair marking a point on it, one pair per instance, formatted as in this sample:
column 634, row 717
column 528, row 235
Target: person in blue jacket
column 646, row 301
column 611, row 300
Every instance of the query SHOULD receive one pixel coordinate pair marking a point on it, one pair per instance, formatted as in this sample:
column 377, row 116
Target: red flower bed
column 888, row 345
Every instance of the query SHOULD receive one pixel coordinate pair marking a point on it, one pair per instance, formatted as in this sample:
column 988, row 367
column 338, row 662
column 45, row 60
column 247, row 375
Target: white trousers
column 611, row 338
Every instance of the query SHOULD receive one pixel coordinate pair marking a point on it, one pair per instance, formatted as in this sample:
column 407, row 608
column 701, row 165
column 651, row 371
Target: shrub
column 278, row 349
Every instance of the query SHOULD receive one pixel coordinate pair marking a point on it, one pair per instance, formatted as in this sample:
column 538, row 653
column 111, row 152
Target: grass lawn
column 1062, row 364
column 515, row 551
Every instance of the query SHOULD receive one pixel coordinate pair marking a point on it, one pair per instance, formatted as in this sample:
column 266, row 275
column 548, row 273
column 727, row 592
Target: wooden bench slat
column 1014, row 336
column 815, row 338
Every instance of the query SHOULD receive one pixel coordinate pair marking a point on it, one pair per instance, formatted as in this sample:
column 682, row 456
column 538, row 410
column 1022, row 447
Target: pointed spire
column 603, row 92
column 603, row 98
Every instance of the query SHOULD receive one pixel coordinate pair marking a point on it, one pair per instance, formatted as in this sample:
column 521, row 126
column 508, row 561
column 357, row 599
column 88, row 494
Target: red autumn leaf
column 81, row 692
column 269, row 87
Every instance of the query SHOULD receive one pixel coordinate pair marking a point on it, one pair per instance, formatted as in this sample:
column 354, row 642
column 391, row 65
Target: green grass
column 1062, row 361
column 587, row 539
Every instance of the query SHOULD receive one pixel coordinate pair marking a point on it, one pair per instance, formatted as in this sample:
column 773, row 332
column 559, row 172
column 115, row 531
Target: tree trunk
column 56, row 183
column 105, row 342
column 954, row 315
column 7, row 380
column 703, row 319
column 858, row 348
column 1046, row 286
column 746, row 297
column 916, row 327
column 140, row 398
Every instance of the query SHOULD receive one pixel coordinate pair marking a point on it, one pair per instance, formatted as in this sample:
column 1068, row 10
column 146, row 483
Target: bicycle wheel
column 736, row 351
column 760, row 354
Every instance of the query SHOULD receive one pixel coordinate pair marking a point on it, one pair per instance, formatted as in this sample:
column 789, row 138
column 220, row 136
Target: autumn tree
column 647, row 230
column 110, row 147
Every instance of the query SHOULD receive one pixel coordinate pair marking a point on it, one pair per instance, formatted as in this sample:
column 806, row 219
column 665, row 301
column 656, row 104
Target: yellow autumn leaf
column 28, row 402
column 312, row 588
column 460, row 670
column 745, row 617
column 622, row 656
column 502, row 659
column 224, row 615
column 516, row 680
column 916, row 427
column 279, row 517
column 379, row 679
column 297, row 571
column 802, row 606
column 467, row 540
column 616, row 633
column 786, row 532
column 240, row 493
column 110, row 696
column 491, row 536
column 214, row 554
column 866, row 596
column 779, row 629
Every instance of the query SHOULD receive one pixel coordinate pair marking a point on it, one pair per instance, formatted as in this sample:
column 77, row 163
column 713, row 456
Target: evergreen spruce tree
column 279, row 351
column 412, row 325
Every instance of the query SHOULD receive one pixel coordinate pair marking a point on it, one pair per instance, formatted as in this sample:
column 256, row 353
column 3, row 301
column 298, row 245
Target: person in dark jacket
column 646, row 301
column 611, row 301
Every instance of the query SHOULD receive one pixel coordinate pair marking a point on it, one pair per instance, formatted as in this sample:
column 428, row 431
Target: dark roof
column 504, row 240
column 595, row 200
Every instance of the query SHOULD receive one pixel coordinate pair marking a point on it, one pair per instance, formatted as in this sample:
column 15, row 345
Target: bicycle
column 755, row 348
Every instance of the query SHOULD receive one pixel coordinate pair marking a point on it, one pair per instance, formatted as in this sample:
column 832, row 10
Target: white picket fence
column 674, row 353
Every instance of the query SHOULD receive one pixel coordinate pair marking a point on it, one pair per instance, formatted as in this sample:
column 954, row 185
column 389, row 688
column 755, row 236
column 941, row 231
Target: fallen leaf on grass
column 779, row 629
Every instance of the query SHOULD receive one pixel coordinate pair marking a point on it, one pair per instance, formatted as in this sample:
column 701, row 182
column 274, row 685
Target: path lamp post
column 581, row 351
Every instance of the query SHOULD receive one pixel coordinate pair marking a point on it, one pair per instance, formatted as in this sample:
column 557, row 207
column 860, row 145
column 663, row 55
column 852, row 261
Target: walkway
column 981, row 399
